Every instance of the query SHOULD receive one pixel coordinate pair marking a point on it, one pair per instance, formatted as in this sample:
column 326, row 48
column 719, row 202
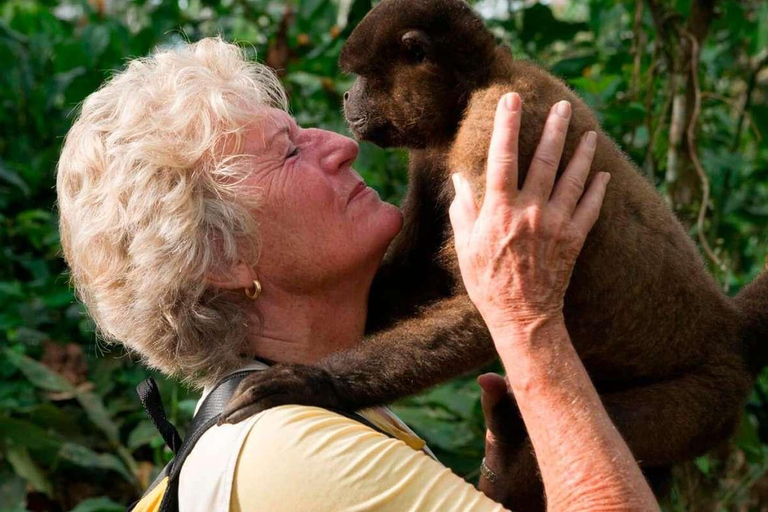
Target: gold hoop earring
column 256, row 290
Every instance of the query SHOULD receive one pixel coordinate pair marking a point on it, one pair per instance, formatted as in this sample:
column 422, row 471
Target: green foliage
column 71, row 428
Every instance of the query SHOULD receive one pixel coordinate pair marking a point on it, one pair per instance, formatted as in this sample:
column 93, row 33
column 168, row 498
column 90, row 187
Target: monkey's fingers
column 261, row 405
column 570, row 187
column 280, row 385
column 248, row 394
column 501, row 417
column 240, row 414
column 501, row 174
column 541, row 174
column 494, row 388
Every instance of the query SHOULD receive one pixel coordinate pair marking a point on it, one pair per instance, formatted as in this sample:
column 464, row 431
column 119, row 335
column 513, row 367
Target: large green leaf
column 28, row 434
column 39, row 374
column 143, row 434
column 98, row 414
column 87, row 458
column 26, row 468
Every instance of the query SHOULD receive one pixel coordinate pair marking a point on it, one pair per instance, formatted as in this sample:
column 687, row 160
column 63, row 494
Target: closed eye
column 294, row 152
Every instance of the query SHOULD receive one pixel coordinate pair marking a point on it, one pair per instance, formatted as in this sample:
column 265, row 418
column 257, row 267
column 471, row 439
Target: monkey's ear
column 417, row 45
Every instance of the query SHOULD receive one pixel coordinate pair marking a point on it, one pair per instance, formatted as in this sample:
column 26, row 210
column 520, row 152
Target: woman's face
column 318, row 221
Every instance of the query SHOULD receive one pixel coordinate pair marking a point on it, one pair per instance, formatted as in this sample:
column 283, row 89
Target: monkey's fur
column 672, row 357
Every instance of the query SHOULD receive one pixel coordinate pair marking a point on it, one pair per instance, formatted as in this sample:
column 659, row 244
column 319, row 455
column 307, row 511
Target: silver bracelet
column 487, row 472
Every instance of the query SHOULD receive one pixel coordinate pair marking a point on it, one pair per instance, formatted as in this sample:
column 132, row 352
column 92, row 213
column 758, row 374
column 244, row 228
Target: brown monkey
column 671, row 355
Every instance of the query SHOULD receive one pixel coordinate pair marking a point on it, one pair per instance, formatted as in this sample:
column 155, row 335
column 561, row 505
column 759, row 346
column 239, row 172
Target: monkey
column 671, row 355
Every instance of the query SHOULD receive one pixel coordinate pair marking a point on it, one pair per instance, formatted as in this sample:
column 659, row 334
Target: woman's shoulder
column 307, row 433
column 307, row 458
column 290, row 419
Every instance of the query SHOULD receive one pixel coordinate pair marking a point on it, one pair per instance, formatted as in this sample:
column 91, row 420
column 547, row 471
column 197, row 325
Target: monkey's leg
column 447, row 339
column 521, row 489
column 519, row 486
column 679, row 419
column 663, row 423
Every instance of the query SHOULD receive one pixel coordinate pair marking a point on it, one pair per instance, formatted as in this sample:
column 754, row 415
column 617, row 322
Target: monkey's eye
column 417, row 54
column 417, row 46
column 294, row 152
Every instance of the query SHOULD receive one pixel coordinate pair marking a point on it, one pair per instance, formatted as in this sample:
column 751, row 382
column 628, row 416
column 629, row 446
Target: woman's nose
column 339, row 152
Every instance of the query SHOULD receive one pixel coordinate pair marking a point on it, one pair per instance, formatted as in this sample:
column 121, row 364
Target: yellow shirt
column 297, row 458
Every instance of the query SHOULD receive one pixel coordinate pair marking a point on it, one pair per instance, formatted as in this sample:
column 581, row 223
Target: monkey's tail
column 753, row 303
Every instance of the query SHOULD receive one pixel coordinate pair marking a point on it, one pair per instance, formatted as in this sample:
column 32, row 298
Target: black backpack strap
column 149, row 395
column 207, row 416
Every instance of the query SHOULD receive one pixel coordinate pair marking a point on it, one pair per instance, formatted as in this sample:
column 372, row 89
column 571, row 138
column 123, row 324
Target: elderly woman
column 204, row 228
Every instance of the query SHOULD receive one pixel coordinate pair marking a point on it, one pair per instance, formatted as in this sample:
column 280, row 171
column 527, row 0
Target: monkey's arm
column 409, row 277
column 448, row 339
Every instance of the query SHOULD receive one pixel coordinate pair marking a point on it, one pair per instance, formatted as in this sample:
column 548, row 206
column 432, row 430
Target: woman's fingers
column 541, row 174
column 570, row 186
column 501, row 175
column 588, row 209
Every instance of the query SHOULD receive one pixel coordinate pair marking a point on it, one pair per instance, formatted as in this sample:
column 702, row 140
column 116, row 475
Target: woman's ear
column 239, row 276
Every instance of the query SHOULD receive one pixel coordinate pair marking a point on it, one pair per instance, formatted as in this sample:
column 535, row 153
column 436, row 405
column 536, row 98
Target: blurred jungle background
column 680, row 84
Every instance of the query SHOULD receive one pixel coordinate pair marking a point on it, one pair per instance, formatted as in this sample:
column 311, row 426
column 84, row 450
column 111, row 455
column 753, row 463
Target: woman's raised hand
column 517, row 252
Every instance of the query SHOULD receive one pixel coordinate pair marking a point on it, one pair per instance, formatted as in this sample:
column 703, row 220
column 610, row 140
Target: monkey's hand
column 281, row 385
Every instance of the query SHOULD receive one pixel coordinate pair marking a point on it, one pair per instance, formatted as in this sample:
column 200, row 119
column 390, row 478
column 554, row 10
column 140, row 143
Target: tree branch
column 693, row 152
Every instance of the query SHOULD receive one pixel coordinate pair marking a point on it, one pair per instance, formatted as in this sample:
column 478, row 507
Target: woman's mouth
column 359, row 188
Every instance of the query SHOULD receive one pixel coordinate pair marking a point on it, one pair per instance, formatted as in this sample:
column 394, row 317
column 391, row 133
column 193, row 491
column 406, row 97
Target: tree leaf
column 28, row 434
column 98, row 414
column 26, row 468
column 13, row 178
column 102, row 504
column 143, row 434
column 13, row 492
column 39, row 374
column 87, row 458
column 704, row 463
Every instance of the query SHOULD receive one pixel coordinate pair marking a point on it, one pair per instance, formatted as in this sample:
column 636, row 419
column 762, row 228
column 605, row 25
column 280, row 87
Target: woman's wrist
column 526, row 332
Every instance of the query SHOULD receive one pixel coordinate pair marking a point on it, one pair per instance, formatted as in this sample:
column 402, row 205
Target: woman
column 204, row 228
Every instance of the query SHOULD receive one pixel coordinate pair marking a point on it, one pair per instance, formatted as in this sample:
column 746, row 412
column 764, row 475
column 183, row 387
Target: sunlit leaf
column 704, row 464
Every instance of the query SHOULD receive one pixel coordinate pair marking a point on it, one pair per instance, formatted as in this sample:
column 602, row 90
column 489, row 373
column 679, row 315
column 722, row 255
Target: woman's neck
column 290, row 327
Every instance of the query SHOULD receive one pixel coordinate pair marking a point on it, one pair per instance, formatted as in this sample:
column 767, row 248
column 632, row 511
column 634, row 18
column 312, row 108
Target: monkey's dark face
column 407, row 101
column 416, row 62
